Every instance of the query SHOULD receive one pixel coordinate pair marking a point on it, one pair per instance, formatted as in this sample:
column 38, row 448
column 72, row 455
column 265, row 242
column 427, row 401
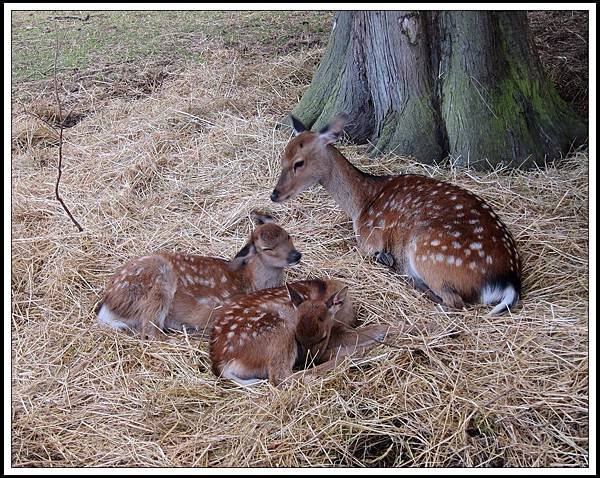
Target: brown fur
column 263, row 334
column 174, row 290
column 447, row 239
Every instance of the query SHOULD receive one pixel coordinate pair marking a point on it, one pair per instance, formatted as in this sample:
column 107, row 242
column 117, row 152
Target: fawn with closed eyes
column 169, row 290
column 265, row 334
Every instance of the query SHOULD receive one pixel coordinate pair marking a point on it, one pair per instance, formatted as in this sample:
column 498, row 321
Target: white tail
column 174, row 290
column 506, row 297
column 448, row 240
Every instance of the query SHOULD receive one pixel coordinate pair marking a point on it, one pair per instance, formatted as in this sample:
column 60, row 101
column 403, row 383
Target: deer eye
column 267, row 248
column 298, row 164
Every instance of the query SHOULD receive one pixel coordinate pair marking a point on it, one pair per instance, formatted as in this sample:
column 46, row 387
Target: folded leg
column 346, row 341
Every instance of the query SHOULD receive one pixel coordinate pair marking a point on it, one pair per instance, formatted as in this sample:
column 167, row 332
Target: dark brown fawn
column 173, row 290
column 263, row 335
column 447, row 240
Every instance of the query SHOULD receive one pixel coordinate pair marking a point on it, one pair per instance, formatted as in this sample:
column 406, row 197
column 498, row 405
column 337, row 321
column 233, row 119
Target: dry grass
column 562, row 39
column 180, row 168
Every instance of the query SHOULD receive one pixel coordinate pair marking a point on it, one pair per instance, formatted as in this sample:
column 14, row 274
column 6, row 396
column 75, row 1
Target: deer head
column 315, row 320
column 305, row 160
column 269, row 243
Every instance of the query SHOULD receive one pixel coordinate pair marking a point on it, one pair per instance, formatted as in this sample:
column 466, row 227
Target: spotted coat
column 170, row 290
column 263, row 334
column 439, row 233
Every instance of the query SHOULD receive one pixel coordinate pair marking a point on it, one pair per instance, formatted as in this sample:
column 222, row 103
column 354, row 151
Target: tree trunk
column 461, row 84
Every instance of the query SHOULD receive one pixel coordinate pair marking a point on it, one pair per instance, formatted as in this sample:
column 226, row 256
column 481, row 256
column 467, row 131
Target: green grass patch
column 110, row 37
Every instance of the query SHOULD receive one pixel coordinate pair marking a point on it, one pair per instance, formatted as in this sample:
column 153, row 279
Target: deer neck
column 261, row 276
column 351, row 188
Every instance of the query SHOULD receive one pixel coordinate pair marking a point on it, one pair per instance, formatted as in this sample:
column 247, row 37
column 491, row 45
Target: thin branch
column 69, row 17
column 60, row 138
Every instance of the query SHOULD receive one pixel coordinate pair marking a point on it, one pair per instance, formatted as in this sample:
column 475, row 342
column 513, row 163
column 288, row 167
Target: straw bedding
column 180, row 168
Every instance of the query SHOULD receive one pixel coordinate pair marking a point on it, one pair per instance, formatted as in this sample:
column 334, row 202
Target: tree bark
column 463, row 85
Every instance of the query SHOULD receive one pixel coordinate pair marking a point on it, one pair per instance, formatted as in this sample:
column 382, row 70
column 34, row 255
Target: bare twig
column 69, row 17
column 60, row 138
column 83, row 395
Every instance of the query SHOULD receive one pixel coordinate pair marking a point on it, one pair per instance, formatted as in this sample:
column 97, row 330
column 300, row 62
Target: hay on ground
column 181, row 168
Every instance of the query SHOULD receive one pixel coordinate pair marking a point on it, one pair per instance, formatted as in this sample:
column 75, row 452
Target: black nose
column 294, row 257
column 274, row 195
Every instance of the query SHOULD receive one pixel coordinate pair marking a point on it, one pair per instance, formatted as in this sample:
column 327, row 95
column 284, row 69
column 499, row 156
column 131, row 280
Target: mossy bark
column 461, row 84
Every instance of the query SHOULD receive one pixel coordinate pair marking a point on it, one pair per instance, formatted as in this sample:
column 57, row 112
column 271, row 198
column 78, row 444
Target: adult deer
column 173, row 290
column 448, row 241
column 264, row 334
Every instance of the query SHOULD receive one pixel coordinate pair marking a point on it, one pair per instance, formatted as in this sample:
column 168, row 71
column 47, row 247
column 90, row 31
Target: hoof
column 385, row 258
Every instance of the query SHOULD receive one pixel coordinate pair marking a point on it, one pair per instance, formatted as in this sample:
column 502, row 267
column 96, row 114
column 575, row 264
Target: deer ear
column 297, row 125
column 241, row 258
column 261, row 218
column 336, row 301
column 332, row 132
column 294, row 295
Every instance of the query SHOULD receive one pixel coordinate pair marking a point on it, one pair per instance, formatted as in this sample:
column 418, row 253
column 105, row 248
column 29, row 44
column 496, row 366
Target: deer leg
column 419, row 285
column 347, row 341
column 148, row 308
column 278, row 373
column 334, row 362
column 385, row 258
column 153, row 320
column 451, row 298
column 144, row 328
column 349, row 337
column 148, row 329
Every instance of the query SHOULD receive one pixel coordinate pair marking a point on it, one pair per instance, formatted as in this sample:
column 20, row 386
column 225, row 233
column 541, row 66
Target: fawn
column 266, row 333
column 448, row 241
column 172, row 290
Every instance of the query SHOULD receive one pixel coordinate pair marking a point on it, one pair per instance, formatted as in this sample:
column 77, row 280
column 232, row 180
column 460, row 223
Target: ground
column 172, row 141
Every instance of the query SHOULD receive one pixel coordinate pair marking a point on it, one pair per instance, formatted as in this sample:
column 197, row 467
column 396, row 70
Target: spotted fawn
column 263, row 335
column 170, row 290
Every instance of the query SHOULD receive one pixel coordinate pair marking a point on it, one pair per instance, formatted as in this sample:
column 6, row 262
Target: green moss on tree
column 488, row 101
